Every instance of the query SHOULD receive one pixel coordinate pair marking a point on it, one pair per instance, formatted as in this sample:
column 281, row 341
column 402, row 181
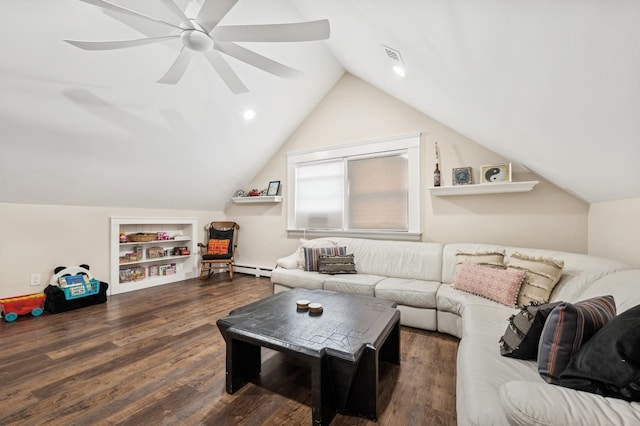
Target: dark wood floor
column 156, row 357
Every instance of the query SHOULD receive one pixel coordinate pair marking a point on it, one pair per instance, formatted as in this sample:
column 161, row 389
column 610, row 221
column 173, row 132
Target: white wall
column 38, row 238
column 614, row 230
column 355, row 111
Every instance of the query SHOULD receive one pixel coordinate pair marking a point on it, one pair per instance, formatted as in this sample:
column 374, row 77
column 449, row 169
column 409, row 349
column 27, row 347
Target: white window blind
column 319, row 195
column 379, row 192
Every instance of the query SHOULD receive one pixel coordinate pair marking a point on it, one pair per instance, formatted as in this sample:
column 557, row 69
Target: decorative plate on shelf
column 461, row 176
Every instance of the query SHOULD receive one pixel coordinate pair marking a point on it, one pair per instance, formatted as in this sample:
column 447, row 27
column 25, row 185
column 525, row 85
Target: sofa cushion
column 312, row 255
column 395, row 259
column 353, row 283
column 417, row 293
column 624, row 286
column 568, row 327
column 499, row 285
column 526, row 403
column 448, row 299
column 297, row 278
column 609, row 363
column 543, row 273
column 480, row 372
column 522, row 336
column 487, row 320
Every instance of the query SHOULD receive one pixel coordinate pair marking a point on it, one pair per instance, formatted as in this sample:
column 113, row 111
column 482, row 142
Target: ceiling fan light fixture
column 196, row 40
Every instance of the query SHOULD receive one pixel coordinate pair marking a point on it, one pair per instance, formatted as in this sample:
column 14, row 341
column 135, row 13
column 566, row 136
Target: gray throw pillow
column 521, row 338
column 339, row 264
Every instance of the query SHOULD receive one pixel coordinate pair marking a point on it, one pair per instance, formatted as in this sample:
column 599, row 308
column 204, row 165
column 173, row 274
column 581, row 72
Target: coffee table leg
column 390, row 350
column 323, row 408
column 243, row 363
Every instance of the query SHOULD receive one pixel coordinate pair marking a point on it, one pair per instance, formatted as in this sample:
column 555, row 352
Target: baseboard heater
column 258, row 271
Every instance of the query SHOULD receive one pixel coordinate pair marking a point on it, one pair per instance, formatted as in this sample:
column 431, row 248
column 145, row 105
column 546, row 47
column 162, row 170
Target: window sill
column 372, row 235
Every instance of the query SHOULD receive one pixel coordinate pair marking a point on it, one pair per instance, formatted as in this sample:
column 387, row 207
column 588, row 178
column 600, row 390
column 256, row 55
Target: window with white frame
column 368, row 187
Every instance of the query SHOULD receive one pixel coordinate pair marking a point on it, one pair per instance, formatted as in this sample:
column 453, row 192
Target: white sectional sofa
column 491, row 389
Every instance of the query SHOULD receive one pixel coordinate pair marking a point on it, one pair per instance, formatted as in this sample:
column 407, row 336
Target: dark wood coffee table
column 343, row 346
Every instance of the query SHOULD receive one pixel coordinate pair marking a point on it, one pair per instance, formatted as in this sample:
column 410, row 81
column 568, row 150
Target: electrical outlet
column 35, row 280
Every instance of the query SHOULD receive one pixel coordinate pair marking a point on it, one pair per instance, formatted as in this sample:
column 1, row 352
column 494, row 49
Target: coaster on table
column 302, row 304
column 315, row 308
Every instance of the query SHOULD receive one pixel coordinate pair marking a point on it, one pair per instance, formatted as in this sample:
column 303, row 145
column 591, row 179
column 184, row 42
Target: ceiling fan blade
column 298, row 31
column 213, row 11
column 106, row 5
column 121, row 44
column 173, row 7
column 177, row 69
column 257, row 60
column 225, row 72
column 141, row 25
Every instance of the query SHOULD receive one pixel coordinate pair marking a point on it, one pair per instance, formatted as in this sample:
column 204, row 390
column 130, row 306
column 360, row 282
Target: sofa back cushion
column 394, row 259
column 579, row 271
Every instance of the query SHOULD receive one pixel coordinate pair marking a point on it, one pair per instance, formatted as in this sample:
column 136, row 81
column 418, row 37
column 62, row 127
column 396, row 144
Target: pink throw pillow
column 499, row 285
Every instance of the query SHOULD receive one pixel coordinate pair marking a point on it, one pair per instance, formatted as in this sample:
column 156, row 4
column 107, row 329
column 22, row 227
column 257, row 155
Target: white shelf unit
column 260, row 199
column 483, row 188
column 185, row 233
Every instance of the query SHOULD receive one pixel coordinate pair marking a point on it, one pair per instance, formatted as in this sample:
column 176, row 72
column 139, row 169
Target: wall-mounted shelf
column 261, row 199
column 483, row 188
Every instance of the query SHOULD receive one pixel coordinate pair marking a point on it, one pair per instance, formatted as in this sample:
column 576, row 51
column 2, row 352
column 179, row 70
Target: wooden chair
column 219, row 248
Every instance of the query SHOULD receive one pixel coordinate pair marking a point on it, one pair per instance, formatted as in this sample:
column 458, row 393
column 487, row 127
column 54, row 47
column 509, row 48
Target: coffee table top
column 348, row 323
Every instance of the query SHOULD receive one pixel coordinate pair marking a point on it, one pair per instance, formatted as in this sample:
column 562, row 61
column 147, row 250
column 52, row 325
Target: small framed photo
column 461, row 176
column 493, row 173
column 274, row 186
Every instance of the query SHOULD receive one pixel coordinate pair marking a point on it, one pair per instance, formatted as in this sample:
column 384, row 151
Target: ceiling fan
column 203, row 34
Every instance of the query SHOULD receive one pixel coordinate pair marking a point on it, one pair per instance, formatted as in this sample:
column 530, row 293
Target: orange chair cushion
column 218, row 246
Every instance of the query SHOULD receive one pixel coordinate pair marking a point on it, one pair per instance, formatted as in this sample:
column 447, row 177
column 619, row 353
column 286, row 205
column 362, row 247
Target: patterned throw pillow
column 609, row 363
column 218, row 246
column 336, row 264
column 521, row 338
column 499, row 285
column 312, row 255
column 319, row 242
column 543, row 274
column 567, row 328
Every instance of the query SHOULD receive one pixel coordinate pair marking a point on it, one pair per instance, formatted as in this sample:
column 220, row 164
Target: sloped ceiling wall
column 550, row 85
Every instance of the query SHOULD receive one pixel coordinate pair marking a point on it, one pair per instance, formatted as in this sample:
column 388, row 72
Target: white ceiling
column 552, row 85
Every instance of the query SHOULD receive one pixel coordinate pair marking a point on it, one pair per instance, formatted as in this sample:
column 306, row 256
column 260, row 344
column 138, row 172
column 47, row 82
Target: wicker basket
column 142, row 237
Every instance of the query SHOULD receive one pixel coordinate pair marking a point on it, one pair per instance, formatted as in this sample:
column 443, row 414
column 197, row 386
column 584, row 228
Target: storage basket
column 77, row 286
column 142, row 237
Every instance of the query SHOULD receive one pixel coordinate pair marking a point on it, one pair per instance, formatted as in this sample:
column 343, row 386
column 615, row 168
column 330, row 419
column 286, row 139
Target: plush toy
column 60, row 301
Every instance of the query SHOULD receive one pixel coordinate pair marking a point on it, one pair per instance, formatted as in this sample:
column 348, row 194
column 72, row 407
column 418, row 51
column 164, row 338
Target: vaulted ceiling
column 551, row 85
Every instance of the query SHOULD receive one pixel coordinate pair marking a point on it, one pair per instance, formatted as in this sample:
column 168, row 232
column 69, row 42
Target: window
column 370, row 187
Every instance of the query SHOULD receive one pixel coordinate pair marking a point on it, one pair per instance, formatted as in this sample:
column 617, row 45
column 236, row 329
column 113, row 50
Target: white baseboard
column 252, row 270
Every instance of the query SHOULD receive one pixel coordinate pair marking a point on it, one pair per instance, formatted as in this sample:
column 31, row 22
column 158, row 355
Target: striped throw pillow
column 312, row 255
column 543, row 273
column 567, row 327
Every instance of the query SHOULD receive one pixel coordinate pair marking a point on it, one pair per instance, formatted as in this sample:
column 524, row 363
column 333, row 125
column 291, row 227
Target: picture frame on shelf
column 461, row 176
column 274, row 186
column 494, row 173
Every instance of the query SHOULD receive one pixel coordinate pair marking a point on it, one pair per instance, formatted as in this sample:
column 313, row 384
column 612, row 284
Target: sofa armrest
column 288, row 262
column 533, row 403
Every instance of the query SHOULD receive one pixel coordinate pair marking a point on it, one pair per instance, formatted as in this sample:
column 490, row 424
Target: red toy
column 11, row 307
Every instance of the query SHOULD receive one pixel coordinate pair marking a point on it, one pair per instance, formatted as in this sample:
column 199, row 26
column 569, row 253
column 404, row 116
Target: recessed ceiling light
column 249, row 114
column 399, row 69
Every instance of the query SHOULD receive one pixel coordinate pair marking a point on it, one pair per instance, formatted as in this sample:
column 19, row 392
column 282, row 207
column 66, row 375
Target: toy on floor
column 11, row 307
column 73, row 287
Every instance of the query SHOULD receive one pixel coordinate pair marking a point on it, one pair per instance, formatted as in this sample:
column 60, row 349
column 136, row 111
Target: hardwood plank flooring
column 156, row 357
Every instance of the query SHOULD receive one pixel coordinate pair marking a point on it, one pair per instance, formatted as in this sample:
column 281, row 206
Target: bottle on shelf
column 436, row 172
column 436, row 176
